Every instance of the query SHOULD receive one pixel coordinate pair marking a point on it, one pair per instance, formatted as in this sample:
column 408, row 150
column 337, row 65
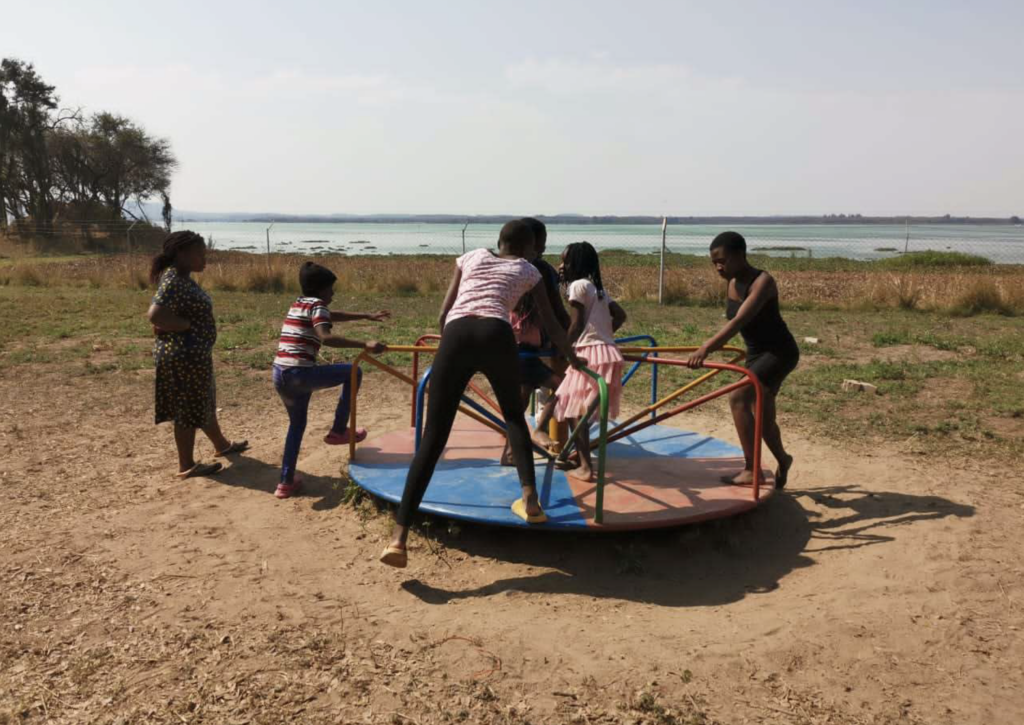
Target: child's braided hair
column 582, row 262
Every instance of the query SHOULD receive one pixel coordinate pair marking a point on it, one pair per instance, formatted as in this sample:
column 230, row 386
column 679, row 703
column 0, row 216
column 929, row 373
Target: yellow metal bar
column 388, row 369
column 354, row 397
column 679, row 348
column 410, row 348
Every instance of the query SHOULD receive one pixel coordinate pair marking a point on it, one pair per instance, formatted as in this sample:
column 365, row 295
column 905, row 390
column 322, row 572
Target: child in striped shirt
column 296, row 374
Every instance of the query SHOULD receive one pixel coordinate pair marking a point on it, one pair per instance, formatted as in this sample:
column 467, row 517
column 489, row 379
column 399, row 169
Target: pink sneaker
column 286, row 490
column 339, row 439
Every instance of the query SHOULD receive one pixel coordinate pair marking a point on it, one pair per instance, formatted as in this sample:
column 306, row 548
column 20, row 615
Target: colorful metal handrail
column 636, row 366
column 637, row 355
column 617, row 432
column 750, row 379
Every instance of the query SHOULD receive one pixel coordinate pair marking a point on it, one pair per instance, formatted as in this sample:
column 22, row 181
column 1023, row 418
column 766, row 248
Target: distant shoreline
column 830, row 220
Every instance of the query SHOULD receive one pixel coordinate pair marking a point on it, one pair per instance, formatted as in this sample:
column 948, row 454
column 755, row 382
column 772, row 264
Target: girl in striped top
column 306, row 328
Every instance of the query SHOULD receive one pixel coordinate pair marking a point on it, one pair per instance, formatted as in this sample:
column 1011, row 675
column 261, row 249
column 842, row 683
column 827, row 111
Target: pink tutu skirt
column 578, row 390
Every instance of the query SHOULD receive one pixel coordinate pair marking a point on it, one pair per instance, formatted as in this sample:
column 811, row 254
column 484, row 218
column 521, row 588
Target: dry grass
column 959, row 291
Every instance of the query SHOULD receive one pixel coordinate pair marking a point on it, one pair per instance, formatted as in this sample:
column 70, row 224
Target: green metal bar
column 602, row 387
column 602, row 399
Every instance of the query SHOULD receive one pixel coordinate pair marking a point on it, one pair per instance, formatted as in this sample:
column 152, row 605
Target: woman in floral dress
column 182, row 317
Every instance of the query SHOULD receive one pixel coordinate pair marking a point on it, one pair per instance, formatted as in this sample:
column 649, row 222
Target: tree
column 26, row 105
column 129, row 165
column 55, row 163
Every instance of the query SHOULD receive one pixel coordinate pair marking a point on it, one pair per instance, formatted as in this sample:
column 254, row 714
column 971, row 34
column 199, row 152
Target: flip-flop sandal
column 287, row 490
column 728, row 479
column 235, row 447
column 566, row 464
column 519, row 509
column 394, row 556
column 201, row 469
column 340, row 439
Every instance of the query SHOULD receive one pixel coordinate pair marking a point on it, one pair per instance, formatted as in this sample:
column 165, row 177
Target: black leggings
column 469, row 345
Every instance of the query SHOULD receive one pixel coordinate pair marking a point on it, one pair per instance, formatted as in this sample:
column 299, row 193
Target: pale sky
column 593, row 107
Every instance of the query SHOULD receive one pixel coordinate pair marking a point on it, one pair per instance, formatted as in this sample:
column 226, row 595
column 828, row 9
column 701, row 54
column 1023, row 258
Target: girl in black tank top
column 765, row 330
column 753, row 311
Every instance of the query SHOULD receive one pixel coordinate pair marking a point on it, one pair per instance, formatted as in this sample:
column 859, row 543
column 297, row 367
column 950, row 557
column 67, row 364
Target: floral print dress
column 185, row 389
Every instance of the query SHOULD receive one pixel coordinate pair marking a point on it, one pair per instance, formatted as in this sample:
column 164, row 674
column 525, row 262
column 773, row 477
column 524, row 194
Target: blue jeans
column 296, row 385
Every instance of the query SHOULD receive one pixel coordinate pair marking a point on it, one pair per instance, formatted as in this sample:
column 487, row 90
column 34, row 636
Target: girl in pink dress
column 594, row 319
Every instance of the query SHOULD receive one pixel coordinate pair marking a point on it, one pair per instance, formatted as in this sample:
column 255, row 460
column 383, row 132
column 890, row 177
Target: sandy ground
column 880, row 587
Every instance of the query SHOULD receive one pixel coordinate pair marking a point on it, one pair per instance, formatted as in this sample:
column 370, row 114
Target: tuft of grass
column 981, row 296
column 889, row 338
column 932, row 260
column 28, row 275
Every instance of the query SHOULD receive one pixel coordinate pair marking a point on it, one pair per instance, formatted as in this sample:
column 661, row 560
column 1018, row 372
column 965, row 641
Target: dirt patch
column 872, row 591
column 938, row 391
column 1005, row 426
column 901, row 353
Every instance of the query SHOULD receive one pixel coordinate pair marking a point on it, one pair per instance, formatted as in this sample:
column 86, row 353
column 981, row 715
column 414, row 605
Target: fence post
column 906, row 244
column 128, row 239
column 661, row 271
column 268, row 251
column 464, row 237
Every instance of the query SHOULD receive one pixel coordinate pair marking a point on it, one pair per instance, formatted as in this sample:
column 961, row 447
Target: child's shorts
column 532, row 370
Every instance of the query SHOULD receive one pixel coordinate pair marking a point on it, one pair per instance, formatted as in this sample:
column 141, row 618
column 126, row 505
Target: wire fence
column 999, row 243
column 1002, row 244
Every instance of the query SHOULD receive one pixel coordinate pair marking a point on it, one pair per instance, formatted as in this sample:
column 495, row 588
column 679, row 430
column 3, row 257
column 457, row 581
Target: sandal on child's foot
column 287, row 490
column 519, row 509
column 569, row 463
column 201, row 469
column 395, row 556
column 235, row 447
column 340, row 439
column 733, row 480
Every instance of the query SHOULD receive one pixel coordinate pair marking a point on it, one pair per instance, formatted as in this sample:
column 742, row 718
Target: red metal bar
column 416, row 374
column 751, row 379
column 681, row 409
column 476, row 389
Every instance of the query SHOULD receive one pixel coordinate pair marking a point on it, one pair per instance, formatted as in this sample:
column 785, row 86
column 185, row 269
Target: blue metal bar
column 484, row 412
column 632, row 370
column 421, row 394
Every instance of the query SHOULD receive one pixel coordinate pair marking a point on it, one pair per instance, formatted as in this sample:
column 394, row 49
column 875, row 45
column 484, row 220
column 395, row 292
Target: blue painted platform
column 660, row 477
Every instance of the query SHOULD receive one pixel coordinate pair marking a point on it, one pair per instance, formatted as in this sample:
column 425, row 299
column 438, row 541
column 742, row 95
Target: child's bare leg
column 741, row 402
column 571, row 461
column 540, row 434
column 531, row 501
column 506, row 453
column 586, row 469
column 399, row 536
column 772, row 436
column 185, row 440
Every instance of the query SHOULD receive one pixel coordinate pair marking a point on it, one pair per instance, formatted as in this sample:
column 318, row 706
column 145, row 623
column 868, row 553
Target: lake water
column 1000, row 243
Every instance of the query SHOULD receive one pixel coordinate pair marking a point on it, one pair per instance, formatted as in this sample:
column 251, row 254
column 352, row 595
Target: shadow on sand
column 713, row 563
column 246, row 472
